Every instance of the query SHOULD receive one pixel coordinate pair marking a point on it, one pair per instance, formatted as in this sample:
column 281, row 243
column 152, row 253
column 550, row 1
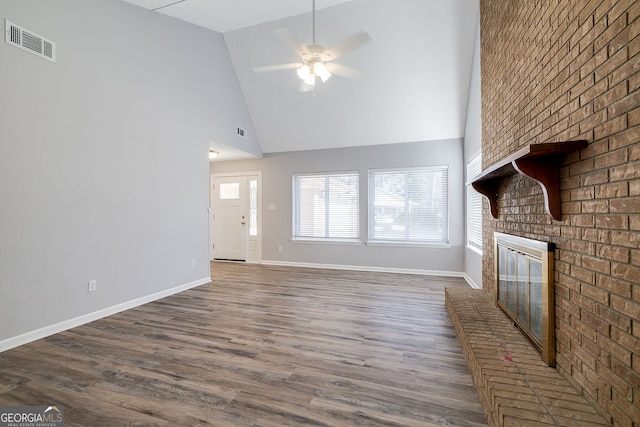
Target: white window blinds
column 325, row 206
column 474, row 205
column 409, row 205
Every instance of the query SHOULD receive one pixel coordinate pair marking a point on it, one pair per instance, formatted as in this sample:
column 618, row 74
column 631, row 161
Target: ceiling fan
column 316, row 60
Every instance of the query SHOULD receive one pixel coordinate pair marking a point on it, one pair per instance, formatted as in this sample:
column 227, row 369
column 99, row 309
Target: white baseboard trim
column 470, row 281
column 37, row 334
column 367, row 268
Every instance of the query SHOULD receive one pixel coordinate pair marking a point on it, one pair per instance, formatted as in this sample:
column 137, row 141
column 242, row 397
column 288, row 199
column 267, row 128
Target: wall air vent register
column 29, row 41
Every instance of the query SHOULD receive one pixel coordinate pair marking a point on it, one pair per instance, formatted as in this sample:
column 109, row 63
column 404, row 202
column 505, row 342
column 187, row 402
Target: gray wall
column 104, row 170
column 277, row 170
column 472, row 144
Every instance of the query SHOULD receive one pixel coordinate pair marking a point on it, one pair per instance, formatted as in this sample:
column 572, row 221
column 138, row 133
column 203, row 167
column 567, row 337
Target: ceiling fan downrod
column 313, row 65
column 313, row 20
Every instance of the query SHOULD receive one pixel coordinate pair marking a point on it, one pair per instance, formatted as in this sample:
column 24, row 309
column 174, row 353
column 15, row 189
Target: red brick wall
column 558, row 70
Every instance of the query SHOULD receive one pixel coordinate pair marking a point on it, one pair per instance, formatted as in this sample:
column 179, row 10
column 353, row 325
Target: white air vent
column 29, row 41
column 241, row 132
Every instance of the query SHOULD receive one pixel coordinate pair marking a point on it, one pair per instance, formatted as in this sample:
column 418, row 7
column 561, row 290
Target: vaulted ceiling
column 414, row 73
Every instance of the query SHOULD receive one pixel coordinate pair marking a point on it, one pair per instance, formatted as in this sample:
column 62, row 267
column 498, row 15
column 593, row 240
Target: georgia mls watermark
column 31, row 416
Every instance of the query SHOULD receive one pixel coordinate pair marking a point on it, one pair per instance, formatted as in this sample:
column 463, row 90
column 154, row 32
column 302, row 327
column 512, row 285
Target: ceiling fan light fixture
column 320, row 70
column 310, row 79
column 304, row 71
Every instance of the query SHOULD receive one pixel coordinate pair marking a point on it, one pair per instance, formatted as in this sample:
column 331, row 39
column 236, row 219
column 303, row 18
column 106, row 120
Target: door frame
column 253, row 247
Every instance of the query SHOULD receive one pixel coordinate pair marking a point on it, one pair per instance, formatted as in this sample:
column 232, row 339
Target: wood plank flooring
column 260, row 346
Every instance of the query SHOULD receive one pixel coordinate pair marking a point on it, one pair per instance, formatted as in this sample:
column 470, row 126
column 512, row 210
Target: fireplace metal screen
column 525, row 289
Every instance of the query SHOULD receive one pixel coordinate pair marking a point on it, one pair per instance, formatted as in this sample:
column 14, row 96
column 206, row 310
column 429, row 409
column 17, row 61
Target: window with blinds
column 409, row 205
column 325, row 206
column 474, row 205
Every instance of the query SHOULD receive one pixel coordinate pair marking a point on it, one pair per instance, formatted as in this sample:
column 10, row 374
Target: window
column 409, row 205
column 230, row 191
column 253, row 207
column 474, row 205
column 325, row 206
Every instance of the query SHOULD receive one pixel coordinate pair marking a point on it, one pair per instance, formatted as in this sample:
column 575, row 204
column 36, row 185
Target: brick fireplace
column 561, row 70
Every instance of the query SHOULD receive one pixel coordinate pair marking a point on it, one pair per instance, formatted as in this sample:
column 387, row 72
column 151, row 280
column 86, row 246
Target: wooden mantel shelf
column 540, row 162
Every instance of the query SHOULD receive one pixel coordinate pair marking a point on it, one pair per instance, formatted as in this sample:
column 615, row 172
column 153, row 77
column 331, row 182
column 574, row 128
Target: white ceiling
column 415, row 71
column 228, row 15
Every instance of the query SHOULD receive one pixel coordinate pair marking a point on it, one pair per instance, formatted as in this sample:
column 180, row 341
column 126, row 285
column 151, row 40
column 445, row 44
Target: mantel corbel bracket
column 539, row 162
column 488, row 189
column 548, row 176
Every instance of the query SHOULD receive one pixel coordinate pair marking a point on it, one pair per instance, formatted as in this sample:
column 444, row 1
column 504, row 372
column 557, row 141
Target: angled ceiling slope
column 225, row 15
column 415, row 72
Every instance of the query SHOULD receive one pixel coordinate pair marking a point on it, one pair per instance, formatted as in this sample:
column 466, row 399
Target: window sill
column 398, row 243
column 474, row 249
column 353, row 242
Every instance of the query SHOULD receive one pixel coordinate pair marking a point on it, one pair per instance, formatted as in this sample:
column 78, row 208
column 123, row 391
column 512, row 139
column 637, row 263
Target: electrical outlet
column 193, row 263
column 280, row 249
column 92, row 286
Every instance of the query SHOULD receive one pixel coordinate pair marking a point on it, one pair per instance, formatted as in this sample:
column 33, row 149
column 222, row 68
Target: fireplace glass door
column 525, row 289
column 520, row 289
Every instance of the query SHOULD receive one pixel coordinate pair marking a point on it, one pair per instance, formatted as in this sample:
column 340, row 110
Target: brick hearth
column 516, row 388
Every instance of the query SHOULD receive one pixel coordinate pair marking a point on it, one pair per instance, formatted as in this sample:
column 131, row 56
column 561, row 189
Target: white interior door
column 229, row 218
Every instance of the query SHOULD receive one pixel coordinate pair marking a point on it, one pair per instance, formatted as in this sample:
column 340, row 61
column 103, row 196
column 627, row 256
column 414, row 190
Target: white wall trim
column 369, row 268
column 37, row 334
column 470, row 281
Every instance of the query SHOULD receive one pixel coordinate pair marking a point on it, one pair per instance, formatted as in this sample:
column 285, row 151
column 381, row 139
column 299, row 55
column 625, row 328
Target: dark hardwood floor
column 260, row 346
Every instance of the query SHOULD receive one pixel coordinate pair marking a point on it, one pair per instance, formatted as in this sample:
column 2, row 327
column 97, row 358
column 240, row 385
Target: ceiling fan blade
column 343, row 70
column 287, row 37
column 349, row 44
column 276, row 67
